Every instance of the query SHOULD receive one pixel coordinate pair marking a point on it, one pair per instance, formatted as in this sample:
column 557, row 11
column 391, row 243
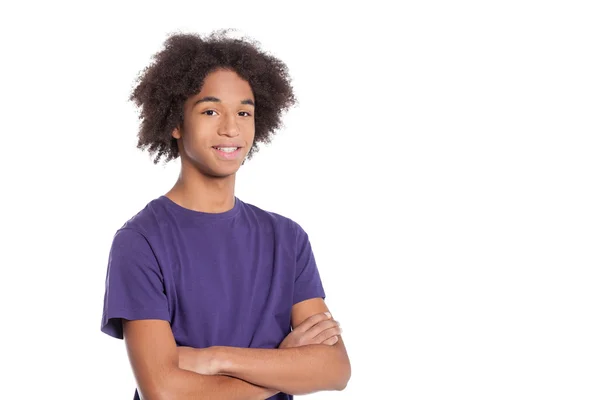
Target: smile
column 228, row 153
column 227, row 149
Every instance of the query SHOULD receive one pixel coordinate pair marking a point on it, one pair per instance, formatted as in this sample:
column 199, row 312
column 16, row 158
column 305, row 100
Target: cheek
column 189, row 141
column 250, row 129
column 196, row 134
column 193, row 146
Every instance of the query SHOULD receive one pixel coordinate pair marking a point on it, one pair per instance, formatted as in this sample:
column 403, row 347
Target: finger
column 321, row 326
column 327, row 334
column 312, row 321
column 331, row 341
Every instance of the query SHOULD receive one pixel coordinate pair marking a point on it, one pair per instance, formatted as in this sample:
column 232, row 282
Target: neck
column 199, row 192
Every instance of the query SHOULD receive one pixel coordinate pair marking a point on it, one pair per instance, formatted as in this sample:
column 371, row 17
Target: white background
column 443, row 159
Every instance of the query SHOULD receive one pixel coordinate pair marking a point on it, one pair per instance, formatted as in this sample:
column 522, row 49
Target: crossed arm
column 310, row 359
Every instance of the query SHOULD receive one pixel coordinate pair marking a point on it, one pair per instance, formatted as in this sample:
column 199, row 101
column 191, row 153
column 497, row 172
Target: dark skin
column 207, row 181
column 311, row 358
column 178, row 71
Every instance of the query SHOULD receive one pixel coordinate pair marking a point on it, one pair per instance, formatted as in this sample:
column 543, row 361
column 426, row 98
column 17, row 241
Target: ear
column 176, row 133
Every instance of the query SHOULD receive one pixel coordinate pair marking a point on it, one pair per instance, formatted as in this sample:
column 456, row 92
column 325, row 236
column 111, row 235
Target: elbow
column 155, row 392
column 343, row 370
column 164, row 388
column 343, row 376
column 335, row 378
column 152, row 393
column 340, row 378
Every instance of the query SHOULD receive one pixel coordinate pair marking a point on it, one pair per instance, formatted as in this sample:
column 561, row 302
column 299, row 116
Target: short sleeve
column 308, row 283
column 134, row 287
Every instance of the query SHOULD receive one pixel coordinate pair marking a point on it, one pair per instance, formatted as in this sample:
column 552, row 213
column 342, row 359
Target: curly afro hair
column 177, row 73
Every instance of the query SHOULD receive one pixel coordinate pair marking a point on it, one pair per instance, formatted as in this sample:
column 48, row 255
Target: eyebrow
column 216, row 100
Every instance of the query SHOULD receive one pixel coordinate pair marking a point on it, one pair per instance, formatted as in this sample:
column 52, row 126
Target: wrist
column 221, row 362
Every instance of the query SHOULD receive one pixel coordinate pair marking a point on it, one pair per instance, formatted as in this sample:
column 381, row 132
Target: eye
column 210, row 112
column 244, row 114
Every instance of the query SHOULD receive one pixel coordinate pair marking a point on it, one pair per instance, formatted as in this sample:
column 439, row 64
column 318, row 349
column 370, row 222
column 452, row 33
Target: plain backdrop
column 443, row 158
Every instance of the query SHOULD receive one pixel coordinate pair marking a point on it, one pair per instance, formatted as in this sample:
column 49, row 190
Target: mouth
column 228, row 153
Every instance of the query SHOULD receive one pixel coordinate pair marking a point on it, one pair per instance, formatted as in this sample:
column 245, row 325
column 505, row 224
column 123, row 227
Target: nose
column 228, row 126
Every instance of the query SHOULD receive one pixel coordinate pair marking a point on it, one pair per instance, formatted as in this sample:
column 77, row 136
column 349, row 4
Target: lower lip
column 228, row 156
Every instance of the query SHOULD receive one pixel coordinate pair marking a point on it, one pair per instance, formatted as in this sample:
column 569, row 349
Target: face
column 218, row 127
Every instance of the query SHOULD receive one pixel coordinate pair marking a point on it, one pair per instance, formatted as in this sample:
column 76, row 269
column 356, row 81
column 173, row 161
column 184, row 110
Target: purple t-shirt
column 225, row 279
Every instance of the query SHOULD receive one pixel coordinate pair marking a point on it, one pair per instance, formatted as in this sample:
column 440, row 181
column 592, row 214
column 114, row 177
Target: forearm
column 298, row 370
column 187, row 385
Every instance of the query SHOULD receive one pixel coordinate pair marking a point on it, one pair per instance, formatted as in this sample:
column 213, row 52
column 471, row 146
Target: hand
column 318, row 329
column 202, row 361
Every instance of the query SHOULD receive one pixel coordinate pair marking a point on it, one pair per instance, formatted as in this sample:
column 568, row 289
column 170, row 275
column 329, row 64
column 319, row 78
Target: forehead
column 226, row 84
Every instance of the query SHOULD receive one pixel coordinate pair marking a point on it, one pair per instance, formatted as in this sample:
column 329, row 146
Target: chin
column 223, row 172
column 216, row 169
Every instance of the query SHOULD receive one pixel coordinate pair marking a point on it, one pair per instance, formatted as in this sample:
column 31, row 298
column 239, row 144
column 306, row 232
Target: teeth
column 227, row 149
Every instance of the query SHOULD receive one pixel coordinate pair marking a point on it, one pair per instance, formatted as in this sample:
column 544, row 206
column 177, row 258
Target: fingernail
column 328, row 314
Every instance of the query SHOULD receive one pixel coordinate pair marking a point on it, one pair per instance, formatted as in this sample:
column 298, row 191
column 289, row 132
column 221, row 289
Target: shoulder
column 142, row 224
column 276, row 220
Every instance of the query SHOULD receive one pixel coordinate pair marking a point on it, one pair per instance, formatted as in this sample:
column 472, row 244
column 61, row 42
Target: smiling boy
column 214, row 297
